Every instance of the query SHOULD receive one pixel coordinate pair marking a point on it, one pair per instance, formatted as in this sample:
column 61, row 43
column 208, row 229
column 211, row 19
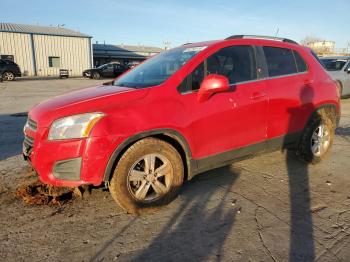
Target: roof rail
column 261, row 37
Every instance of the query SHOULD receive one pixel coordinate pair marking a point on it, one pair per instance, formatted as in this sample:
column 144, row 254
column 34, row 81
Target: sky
column 154, row 22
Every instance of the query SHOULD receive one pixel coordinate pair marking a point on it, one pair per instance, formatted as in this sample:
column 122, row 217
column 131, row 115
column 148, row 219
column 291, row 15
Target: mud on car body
column 182, row 112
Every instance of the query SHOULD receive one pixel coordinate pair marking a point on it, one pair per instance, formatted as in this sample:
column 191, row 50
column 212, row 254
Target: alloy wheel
column 150, row 177
column 320, row 140
column 8, row 76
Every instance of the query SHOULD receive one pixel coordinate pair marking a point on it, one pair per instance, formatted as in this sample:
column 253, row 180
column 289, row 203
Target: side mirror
column 348, row 70
column 211, row 85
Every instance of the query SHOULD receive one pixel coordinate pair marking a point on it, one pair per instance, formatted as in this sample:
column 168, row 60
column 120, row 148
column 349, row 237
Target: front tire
column 8, row 76
column 96, row 75
column 147, row 176
column 317, row 139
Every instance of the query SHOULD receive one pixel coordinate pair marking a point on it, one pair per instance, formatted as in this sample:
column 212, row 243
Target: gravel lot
column 267, row 208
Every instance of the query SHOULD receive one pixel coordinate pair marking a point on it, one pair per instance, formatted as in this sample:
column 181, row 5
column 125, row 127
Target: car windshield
column 102, row 66
column 333, row 64
column 159, row 68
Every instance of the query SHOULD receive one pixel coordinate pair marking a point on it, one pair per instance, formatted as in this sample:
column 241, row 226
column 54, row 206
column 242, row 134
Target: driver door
column 108, row 71
column 228, row 120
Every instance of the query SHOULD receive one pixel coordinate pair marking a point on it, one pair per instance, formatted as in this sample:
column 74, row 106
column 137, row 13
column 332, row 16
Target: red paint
column 245, row 114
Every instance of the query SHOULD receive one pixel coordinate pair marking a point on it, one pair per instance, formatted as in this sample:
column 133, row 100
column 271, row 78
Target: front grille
column 28, row 141
column 32, row 124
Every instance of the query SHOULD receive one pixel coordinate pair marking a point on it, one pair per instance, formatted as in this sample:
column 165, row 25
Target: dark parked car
column 9, row 70
column 106, row 70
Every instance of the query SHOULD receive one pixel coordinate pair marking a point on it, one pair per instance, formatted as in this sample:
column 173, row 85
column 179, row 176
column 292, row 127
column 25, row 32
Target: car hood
column 93, row 99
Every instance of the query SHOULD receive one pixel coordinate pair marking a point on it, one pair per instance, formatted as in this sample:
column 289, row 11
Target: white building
column 43, row 51
column 322, row 47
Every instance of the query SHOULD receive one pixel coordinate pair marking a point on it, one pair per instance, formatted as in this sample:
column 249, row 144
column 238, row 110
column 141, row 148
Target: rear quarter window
column 301, row 65
column 280, row 61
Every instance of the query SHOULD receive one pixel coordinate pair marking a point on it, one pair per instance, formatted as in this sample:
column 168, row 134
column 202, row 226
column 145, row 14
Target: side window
column 280, row 61
column 193, row 81
column 237, row 63
column 347, row 68
column 301, row 65
column 109, row 67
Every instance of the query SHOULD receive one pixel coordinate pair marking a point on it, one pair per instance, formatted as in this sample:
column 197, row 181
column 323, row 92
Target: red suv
column 182, row 112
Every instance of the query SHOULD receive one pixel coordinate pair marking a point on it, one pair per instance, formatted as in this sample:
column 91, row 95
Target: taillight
column 339, row 88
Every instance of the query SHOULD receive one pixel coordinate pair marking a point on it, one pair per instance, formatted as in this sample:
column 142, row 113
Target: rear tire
column 147, row 176
column 8, row 76
column 317, row 139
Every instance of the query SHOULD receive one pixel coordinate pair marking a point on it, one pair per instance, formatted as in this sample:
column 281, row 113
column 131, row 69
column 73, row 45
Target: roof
column 336, row 57
column 40, row 30
column 124, row 51
column 128, row 48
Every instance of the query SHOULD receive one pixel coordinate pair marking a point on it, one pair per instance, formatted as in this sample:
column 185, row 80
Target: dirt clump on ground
column 37, row 193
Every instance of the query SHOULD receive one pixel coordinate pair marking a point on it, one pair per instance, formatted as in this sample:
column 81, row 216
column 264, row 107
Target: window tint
column 280, row 61
column 193, row 81
column 237, row 63
column 197, row 77
column 301, row 65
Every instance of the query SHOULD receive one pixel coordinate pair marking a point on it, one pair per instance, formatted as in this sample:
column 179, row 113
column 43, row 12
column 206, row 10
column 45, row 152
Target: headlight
column 77, row 126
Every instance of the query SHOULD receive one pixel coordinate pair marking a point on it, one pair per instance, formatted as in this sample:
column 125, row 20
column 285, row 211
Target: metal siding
column 73, row 52
column 18, row 45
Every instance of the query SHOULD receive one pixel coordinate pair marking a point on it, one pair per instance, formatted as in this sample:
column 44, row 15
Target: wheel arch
column 8, row 70
column 171, row 136
column 330, row 108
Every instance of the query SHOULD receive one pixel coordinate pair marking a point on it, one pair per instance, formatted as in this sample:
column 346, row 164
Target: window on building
column 54, row 61
column 301, row 65
column 280, row 61
column 7, row 57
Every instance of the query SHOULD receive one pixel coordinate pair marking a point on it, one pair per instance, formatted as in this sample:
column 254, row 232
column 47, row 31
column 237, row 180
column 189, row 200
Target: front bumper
column 87, row 74
column 71, row 162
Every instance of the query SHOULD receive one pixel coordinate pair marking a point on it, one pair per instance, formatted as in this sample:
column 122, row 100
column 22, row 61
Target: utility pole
column 167, row 45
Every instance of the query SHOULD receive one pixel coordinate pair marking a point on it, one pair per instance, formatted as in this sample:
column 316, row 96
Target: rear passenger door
column 290, row 92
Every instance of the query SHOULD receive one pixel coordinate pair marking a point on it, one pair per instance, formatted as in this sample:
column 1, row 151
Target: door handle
column 308, row 81
column 257, row 95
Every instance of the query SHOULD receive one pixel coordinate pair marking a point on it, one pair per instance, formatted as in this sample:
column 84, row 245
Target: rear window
column 301, row 65
column 280, row 61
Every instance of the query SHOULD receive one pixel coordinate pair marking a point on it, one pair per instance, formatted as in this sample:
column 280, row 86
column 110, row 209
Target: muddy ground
column 267, row 208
